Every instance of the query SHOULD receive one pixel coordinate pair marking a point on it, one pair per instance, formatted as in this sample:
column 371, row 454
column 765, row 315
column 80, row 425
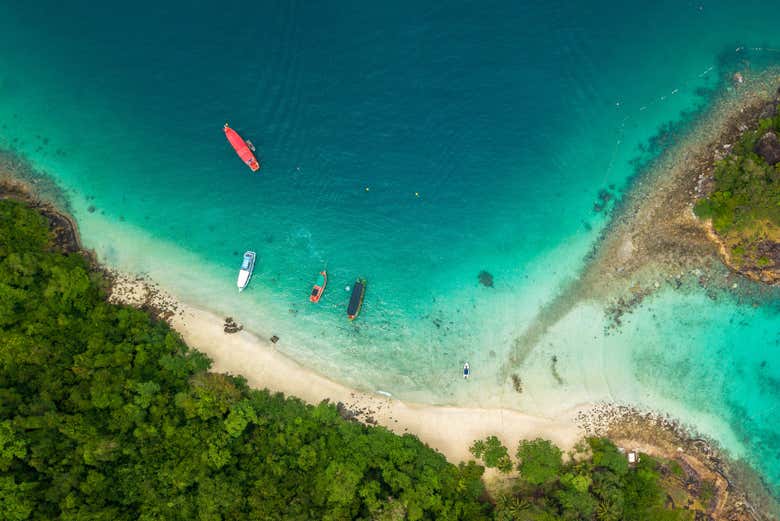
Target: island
column 740, row 199
column 106, row 413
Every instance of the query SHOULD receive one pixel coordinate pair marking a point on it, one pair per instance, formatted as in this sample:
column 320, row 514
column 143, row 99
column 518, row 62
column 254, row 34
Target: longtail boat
column 319, row 287
column 356, row 299
column 243, row 148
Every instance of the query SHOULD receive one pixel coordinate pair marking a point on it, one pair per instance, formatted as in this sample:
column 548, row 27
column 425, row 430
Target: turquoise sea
column 415, row 145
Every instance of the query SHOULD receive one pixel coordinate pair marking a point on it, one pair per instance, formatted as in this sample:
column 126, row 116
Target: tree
column 105, row 414
column 539, row 461
column 606, row 455
column 492, row 453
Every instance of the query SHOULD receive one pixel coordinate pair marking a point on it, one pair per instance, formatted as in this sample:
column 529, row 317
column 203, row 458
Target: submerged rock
column 517, row 383
column 555, row 373
column 485, row 278
column 768, row 147
column 604, row 197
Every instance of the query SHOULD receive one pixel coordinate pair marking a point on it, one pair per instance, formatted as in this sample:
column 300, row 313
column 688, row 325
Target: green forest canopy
column 746, row 193
column 597, row 483
column 105, row 414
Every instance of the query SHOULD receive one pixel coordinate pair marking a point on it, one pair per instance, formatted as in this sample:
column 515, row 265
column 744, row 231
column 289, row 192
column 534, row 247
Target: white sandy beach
column 450, row 430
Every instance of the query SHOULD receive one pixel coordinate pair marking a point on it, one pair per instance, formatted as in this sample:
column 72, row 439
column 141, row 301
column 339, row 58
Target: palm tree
column 510, row 508
column 607, row 511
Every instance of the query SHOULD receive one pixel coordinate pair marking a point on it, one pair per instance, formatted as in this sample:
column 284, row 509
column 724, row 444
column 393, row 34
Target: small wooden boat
column 247, row 267
column 356, row 299
column 319, row 287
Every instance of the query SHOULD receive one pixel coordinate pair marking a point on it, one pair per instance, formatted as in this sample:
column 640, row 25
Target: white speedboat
column 247, row 267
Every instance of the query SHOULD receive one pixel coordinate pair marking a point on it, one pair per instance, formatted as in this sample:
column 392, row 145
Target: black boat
column 356, row 299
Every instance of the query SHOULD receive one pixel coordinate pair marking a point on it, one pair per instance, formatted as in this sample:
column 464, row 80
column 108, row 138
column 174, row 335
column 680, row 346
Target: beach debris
column 274, row 339
column 738, row 78
column 231, row 326
column 517, row 383
column 485, row 278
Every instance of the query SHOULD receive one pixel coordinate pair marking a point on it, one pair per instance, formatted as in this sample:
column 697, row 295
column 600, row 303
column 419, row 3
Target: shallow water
column 506, row 120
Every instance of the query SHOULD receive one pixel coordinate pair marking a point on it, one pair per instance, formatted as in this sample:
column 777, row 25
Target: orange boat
column 243, row 148
column 319, row 287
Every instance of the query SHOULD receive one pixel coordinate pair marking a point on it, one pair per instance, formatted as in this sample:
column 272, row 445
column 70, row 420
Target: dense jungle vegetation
column 597, row 483
column 744, row 204
column 105, row 414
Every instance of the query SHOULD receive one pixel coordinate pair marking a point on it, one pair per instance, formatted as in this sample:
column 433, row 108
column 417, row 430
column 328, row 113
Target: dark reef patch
column 485, row 278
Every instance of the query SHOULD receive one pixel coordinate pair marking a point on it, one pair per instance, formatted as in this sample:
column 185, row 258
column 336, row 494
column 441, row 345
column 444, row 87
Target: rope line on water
column 620, row 131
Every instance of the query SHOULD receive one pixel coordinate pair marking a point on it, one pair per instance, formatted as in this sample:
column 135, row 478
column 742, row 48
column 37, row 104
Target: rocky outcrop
column 768, row 147
column 765, row 269
column 64, row 230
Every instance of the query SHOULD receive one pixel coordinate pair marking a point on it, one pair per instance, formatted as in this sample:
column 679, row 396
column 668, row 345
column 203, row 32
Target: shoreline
column 769, row 275
column 447, row 429
column 450, row 430
column 654, row 240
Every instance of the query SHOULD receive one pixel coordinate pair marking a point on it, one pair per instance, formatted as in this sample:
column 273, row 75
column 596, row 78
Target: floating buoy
column 367, row 189
column 417, row 194
column 346, row 288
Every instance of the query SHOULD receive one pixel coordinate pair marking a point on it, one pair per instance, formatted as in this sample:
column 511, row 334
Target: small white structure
column 633, row 457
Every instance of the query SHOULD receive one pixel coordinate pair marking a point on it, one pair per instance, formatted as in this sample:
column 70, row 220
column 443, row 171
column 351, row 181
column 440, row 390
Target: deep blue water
column 411, row 144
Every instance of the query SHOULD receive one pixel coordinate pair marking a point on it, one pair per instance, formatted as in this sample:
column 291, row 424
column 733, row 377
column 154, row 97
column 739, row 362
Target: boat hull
column 319, row 288
column 356, row 299
column 247, row 268
column 242, row 149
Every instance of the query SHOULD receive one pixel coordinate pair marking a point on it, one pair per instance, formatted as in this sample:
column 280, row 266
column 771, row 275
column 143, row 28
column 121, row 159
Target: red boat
column 319, row 287
column 243, row 148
